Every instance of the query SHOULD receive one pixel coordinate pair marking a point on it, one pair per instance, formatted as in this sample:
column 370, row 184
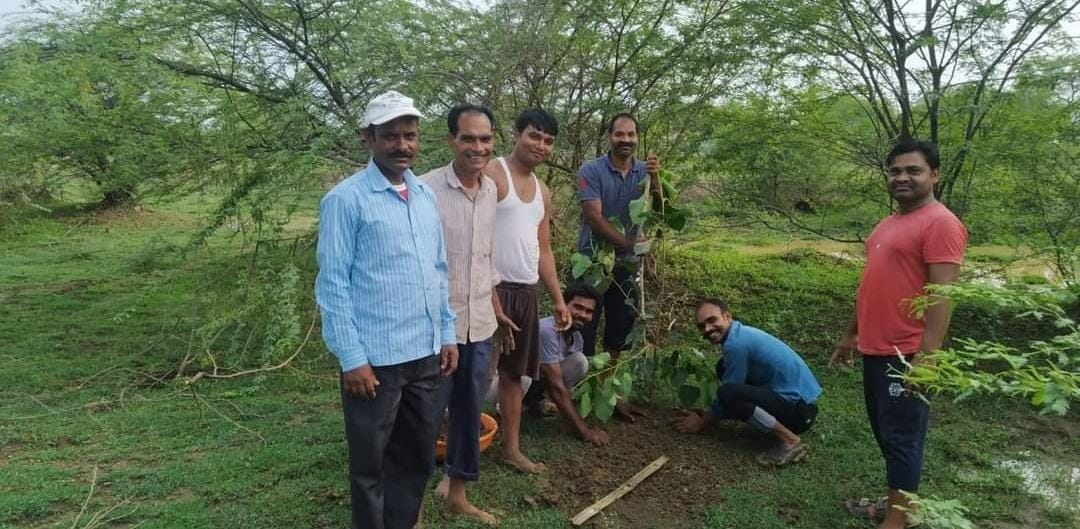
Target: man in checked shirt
column 467, row 202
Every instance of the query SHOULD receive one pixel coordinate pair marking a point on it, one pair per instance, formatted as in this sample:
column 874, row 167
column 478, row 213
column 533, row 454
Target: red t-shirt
column 899, row 253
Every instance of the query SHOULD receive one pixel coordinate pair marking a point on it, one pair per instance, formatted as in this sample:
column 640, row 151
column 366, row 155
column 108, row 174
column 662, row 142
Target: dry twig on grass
column 102, row 518
column 621, row 491
column 214, row 374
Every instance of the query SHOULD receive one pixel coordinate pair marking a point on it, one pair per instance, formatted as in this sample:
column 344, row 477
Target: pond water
column 1058, row 483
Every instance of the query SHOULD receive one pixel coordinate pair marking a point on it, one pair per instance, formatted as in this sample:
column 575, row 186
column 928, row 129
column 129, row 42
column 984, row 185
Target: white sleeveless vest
column 517, row 248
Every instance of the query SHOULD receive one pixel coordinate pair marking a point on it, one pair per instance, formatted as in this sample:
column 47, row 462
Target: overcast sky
column 12, row 9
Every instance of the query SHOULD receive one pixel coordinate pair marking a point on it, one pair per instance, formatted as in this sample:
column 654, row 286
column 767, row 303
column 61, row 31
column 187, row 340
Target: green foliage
column 180, row 464
column 595, row 269
column 91, row 104
column 1046, row 372
column 255, row 319
column 804, row 297
column 607, row 382
column 777, row 152
column 1032, row 179
column 653, row 214
column 692, row 373
column 934, row 513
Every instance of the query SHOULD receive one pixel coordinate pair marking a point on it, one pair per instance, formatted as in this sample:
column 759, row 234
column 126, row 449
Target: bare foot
column 469, row 510
column 522, row 463
column 442, row 490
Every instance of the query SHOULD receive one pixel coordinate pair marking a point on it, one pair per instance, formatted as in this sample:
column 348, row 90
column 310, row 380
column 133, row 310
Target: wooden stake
column 626, row 487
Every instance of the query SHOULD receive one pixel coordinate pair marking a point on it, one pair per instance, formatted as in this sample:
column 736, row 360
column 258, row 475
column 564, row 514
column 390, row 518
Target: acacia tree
column 902, row 59
column 1032, row 147
column 81, row 101
column 587, row 60
column 300, row 72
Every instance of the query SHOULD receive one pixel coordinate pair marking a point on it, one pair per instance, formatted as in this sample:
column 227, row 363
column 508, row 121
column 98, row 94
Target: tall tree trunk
column 117, row 196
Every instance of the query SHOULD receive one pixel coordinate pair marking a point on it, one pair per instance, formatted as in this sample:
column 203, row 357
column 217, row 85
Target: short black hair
column 539, row 118
column 454, row 116
column 621, row 115
column 716, row 302
column 928, row 149
column 580, row 290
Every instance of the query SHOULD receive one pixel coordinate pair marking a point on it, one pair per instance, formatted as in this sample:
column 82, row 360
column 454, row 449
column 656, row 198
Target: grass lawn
column 92, row 316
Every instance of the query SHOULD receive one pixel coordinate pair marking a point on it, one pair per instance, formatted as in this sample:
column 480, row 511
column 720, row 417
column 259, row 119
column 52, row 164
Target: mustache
column 625, row 144
column 400, row 154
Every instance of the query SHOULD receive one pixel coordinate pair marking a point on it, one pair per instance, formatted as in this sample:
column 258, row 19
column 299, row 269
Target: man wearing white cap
column 382, row 290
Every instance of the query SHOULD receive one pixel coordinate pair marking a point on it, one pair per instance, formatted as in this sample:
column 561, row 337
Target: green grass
column 93, row 306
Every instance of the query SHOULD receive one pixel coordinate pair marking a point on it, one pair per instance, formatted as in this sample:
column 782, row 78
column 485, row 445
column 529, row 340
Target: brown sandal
column 779, row 455
column 864, row 508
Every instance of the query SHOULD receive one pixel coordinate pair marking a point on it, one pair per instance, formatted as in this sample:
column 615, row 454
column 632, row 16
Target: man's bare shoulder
column 494, row 171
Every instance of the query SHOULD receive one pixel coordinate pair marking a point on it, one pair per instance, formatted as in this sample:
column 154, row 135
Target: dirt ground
column 674, row 496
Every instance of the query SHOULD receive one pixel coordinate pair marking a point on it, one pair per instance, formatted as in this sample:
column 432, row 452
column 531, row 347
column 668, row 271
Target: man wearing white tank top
column 523, row 258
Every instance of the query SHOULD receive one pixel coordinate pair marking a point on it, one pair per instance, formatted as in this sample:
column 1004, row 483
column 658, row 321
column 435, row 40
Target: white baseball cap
column 387, row 107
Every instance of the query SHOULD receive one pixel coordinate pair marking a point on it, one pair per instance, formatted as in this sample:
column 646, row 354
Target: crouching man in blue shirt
column 763, row 383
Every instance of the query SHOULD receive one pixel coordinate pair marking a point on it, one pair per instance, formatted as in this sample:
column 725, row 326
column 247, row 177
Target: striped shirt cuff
column 449, row 334
column 351, row 360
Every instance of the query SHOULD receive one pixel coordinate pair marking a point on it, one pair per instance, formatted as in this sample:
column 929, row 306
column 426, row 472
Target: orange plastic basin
column 488, row 427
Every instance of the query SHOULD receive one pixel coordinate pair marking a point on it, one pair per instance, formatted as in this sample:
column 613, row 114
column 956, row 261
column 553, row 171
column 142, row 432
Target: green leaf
column 670, row 193
column 675, row 218
column 606, row 258
column 639, row 210
column 643, row 247
column 580, row 264
column 680, row 376
column 581, row 389
column 604, row 284
column 598, row 361
column 585, row 405
column 689, row 394
column 603, row 407
column 627, row 385
column 637, row 332
column 594, row 276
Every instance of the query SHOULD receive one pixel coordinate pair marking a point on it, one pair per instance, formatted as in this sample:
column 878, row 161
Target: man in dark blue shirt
column 763, row 382
column 606, row 186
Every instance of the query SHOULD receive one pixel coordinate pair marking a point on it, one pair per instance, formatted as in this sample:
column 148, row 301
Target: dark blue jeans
column 739, row 401
column 620, row 316
column 464, row 392
column 390, row 444
column 899, row 419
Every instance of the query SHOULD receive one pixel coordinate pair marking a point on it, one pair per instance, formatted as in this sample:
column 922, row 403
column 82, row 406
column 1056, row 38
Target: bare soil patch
column 700, row 467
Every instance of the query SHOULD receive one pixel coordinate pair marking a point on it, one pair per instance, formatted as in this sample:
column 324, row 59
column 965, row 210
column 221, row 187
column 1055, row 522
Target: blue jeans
column 464, row 393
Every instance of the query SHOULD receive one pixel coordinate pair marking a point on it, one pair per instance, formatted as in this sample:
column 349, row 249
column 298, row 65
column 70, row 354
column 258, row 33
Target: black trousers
column 620, row 316
column 739, row 401
column 899, row 419
column 391, row 440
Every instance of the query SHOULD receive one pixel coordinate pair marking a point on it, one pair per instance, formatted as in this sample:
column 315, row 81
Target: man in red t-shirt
column 922, row 243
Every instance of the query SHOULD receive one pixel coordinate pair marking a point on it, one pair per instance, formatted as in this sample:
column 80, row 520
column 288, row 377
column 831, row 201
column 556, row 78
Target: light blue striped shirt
column 382, row 284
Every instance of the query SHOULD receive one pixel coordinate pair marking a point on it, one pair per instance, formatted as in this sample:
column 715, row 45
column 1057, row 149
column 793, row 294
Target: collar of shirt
column 733, row 332
column 454, row 181
column 635, row 165
column 378, row 182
